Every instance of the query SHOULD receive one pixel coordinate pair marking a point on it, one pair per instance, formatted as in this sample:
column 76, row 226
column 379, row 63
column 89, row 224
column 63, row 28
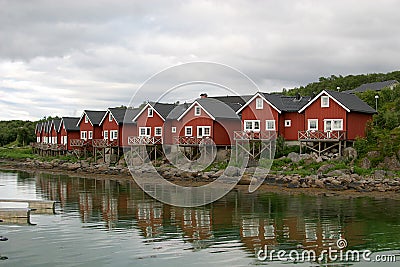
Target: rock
column 349, row 153
column 218, row 173
column 232, row 171
column 319, row 183
column 379, row 174
column 335, row 173
column 319, row 160
column 222, row 155
column 373, row 154
column 47, row 165
column 84, row 164
column 72, row 166
column 335, row 150
column 294, row 184
column 294, row 157
column 392, row 163
column 365, row 163
column 325, row 168
column 121, row 161
column 102, row 167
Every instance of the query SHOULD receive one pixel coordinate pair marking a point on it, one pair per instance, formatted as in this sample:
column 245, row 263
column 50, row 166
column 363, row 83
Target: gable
column 253, row 99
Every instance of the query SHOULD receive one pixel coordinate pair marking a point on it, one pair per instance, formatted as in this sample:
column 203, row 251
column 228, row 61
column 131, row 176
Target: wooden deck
column 192, row 141
column 322, row 141
column 144, row 140
column 261, row 135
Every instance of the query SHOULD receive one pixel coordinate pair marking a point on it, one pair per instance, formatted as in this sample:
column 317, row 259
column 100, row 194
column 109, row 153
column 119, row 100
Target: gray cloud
column 60, row 58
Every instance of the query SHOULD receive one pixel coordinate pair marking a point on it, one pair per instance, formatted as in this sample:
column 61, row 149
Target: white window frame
column 155, row 131
column 90, row 135
column 197, row 110
column 86, row 119
column 150, row 112
column 323, row 98
column 309, row 123
column 188, row 128
column 147, row 131
column 288, row 123
column 110, row 118
column 173, row 129
column 113, row 135
column 333, row 128
column 65, row 140
column 259, row 103
column 37, row 139
column 105, row 134
column 266, row 125
column 203, row 128
column 252, row 129
column 84, row 135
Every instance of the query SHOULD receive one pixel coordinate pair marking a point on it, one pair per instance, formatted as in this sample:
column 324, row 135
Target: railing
column 104, row 143
column 249, row 135
column 321, row 135
column 190, row 140
column 144, row 140
column 77, row 142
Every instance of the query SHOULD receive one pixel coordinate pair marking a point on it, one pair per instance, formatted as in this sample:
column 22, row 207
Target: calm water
column 102, row 223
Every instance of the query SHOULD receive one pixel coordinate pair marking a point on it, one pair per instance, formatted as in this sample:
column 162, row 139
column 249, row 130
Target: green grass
column 17, row 153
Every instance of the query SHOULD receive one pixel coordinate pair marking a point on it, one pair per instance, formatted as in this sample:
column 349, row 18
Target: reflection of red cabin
column 55, row 136
column 69, row 130
column 150, row 120
column 332, row 111
column 89, row 125
column 205, row 118
column 273, row 113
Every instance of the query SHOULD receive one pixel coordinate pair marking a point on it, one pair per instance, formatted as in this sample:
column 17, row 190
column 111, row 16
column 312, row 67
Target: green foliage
column 16, row 153
column 282, row 149
column 22, row 131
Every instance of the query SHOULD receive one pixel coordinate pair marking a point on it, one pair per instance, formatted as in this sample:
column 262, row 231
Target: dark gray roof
column 377, row 86
column 95, row 116
column 118, row 114
column 46, row 126
column 38, row 127
column 130, row 114
column 351, row 102
column 162, row 108
column 235, row 102
column 287, row 103
column 217, row 109
column 70, row 123
column 56, row 123
column 178, row 111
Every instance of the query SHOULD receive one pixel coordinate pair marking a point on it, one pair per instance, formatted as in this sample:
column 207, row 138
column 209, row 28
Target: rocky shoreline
column 335, row 180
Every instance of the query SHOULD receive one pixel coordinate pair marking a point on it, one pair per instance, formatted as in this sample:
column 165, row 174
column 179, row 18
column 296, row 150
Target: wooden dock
column 15, row 215
column 40, row 206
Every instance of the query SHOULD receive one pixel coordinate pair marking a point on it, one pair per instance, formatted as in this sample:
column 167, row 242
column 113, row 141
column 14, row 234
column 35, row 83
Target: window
column 188, row 131
column 144, row 131
column 270, row 125
column 105, row 135
column 252, row 125
column 259, row 103
column 90, row 134
column 86, row 119
column 197, row 111
column 324, row 101
column 37, row 139
column 65, row 140
column 203, row 131
column 313, row 125
column 333, row 125
column 173, row 129
column 288, row 123
column 83, row 135
column 150, row 112
column 110, row 117
column 158, row 131
column 114, row 135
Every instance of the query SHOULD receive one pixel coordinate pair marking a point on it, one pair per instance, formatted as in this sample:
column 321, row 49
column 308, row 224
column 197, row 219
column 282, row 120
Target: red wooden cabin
column 69, row 130
column 89, row 125
column 336, row 115
column 206, row 118
column 150, row 123
column 38, row 132
column 55, row 136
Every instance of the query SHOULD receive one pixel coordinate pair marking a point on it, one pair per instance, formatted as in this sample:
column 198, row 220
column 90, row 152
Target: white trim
column 195, row 110
column 150, row 114
column 252, row 125
column 105, row 134
column 266, row 125
column 110, row 117
column 86, row 118
column 80, row 119
column 84, row 135
column 251, row 100
column 308, row 124
column 90, row 134
column 333, row 124
column 191, row 130
column 203, row 128
column 259, row 104
column 155, row 131
column 144, row 108
column 288, row 123
column 173, row 129
column 191, row 106
column 147, row 131
column 113, row 135
column 315, row 98
column 324, row 97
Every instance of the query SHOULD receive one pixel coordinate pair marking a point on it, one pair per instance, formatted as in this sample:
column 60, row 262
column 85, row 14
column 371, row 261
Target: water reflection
column 234, row 227
column 259, row 219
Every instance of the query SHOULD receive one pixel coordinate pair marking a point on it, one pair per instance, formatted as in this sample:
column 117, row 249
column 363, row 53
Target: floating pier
column 39, row 206
column 15, row 215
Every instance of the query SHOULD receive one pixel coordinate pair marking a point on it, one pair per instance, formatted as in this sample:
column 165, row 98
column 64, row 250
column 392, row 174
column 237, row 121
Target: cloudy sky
column 60, row 57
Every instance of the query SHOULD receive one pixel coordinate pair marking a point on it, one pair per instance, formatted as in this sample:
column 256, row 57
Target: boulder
column 294, row 157
column 319, row 160
column 392, row 163
column 232, row 171
column 379, row 174
column 222, row 155
column 349, row 153
column 72, row 166
column 325, row 168
column 335, row 173
column 365, row 163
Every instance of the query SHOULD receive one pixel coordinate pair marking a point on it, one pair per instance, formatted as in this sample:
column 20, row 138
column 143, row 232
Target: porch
column 254, row 144
column 321, row 141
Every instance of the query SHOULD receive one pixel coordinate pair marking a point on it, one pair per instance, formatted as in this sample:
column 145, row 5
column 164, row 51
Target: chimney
column 298, row 96
column 203, row 95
